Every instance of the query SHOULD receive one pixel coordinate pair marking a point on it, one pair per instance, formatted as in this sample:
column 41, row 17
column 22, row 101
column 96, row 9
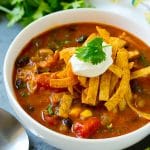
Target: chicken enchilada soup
column 85, row 80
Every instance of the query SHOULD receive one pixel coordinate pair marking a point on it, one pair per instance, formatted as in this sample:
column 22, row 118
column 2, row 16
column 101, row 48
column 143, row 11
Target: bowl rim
column 16, row 106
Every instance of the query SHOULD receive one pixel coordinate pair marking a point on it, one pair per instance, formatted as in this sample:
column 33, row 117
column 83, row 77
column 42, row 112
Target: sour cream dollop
column 87, row 69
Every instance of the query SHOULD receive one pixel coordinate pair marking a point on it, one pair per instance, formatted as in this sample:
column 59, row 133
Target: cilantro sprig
column 136, row 2
column 92, row 52
column 50, row 110
column 26, row 11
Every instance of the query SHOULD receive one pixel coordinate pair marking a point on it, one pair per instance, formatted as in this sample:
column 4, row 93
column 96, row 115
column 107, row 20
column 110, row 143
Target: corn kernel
column 86, row 113
column 75, row 112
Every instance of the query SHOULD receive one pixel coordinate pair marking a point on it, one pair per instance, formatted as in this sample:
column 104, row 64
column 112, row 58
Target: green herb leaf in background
column 42, row 9
column 75, row 4
column 15, row 15
column 136, row 2
column 92, row 52
column 26, row 11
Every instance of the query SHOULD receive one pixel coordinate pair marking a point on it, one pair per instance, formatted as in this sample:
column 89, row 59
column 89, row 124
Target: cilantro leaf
column 26, row 11
column 50, row 110
column 42, row 9
column 136, row 2
column 15, row 15
column 93, row 52
column 14, row 2
column 74, row 4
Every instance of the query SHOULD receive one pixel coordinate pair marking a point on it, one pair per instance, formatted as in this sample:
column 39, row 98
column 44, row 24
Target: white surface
column 125, row 8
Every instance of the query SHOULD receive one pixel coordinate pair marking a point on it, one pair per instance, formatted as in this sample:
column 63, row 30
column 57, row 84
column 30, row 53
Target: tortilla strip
column 65, row 104
column 115, row 79
column 90, row 37
column 62, row 83
column 113, row 83
column 122, row 104
column 140, row 113
column 133, row 54
column 70, row 89
column 66, row 53
column 92, row 91
column 84, row 95
column 116, row 43
column 60, row 74
column 69, row 70
column 128, row 97
column 123, row 87
column 129, row 39
column 116, row 70
column 103, row 33
column 140, row 73
column 104, row 86
column 131, row 64
column 82, row 81
column 118, row 96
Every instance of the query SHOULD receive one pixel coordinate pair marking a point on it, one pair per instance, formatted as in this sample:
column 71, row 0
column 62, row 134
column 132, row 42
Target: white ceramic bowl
column 51, row 21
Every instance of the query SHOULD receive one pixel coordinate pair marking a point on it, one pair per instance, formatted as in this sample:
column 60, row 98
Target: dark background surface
column 6, row 37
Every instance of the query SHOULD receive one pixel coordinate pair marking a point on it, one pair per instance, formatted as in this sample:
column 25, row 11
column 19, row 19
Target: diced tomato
column 51, row 120
column 86, row 128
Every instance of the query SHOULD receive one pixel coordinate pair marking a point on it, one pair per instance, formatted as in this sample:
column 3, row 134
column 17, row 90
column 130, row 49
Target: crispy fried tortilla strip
column 70, row 89
column 65, row 104
column 69, row 70
column 84, row 95
column 133, row 54
column 90, row 37
column 122, row 104
column 116, row 70
column 60, row 74
column 116, row 43
column 103, row 33
column 140, row 113
column 114, row 78
column 128, row 97
column 140, row 73
column 130, row 40
column 105, row 86
column 123, row 87
column 92, row 91
column 113, row 83
column 83, row 81
column 131, row 64
column 66, row 53
column 118, row 96
column 62, row 83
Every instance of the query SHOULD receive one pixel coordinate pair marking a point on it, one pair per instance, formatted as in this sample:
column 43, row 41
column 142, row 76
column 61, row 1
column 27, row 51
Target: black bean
column 20, row 84
column 126, row 46
column 30, row 108
column 135, row 87
column 81, row 39
column 67, row 122
column 21, row 62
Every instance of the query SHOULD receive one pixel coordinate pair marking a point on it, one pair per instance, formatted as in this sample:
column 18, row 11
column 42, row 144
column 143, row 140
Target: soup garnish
column 94, row 86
